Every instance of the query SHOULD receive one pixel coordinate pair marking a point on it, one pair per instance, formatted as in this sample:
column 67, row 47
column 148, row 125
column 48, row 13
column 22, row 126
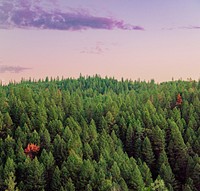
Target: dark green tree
column 178, row 156
column 147, row 153
column 56, row 180
column 33, row 175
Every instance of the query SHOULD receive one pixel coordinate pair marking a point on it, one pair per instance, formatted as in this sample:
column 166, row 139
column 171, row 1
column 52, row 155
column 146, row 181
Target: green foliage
column 9, row 168
column 146, row 173
column 33, row 175
column 158, row 185
column 100, row 134
column 10, row 182
column 56, row 179
column 147, row 153
column 167, row 175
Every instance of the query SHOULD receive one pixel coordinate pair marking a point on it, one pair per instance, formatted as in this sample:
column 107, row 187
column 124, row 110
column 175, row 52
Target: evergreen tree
column 48, row 162
column 129, row 140
column 196, row 176
column 9, row 168
column 9, row 144
column 10, row 182
column 86, row 174
column 178, row 156
column 60, row 150
column 158, row 185
column 147, row 153
column 70, row 186
column 56, row 180
column 167, row 175
column 158, row 141
column 45, row 139
column 146, row 173
column 34, row 175
column 74, row 163
column 115, row 172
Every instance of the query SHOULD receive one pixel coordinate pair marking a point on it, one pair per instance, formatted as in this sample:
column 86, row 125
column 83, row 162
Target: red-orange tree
column 179, row 99
column 31, row 150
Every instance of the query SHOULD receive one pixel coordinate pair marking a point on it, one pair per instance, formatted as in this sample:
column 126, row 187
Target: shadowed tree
column 34, row 175
column 147, row 153
column 56, row 180
column 178, row 155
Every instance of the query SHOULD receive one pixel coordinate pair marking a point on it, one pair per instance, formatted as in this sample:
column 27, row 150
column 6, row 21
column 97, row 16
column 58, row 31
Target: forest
column 100, row 134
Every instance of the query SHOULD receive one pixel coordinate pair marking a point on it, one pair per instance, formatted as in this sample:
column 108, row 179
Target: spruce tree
column 147, row 153
column 56, row 180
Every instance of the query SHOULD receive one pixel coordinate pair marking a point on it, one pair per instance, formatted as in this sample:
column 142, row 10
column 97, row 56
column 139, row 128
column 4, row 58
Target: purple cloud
column 26, row 15
column 12, row 69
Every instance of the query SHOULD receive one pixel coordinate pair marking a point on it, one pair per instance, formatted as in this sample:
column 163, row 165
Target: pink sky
column 130, row 39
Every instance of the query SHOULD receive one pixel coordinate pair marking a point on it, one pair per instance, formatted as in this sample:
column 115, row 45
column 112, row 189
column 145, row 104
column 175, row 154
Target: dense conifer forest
column 100, row 134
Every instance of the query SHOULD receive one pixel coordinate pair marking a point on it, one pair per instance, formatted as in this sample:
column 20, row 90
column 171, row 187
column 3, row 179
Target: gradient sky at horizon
column 130, row 39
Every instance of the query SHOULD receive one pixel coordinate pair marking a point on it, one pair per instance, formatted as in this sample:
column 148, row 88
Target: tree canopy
column 95, row 133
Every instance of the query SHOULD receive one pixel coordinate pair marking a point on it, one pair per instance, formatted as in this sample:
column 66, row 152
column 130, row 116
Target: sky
column 133, row 39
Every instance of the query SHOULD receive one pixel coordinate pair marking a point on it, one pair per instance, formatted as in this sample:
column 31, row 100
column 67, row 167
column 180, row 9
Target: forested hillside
column 97, row 134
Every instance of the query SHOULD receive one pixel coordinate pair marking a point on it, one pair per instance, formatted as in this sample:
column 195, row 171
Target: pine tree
column 196, row 176
column 146, row 173
column 132, row 175
column 70, row 186
column 8, row 123
column 129, row 140
column 158, row 141
column 147, row 153
column 178, row 155
column 106, row 185
column 9, row 145
column 167, row 175
column 60, row 150
column 123, row 185
column 21, row 135
column 33, row 175
column 115, row 172
column 9, row 168
column 87, row 151
column 45, row 139
column 74, row 163
column 10, row 182
column 56, row 180
column 158, row 185
column 86, row 174
column 48, row 162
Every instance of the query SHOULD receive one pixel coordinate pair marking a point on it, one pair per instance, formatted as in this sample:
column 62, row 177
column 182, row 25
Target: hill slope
column 100, row 134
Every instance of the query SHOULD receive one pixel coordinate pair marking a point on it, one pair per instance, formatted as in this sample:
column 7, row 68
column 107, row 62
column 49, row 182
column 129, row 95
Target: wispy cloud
column 12, row 69
column 26, row 15
column 192, row 27
column 98, row 48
